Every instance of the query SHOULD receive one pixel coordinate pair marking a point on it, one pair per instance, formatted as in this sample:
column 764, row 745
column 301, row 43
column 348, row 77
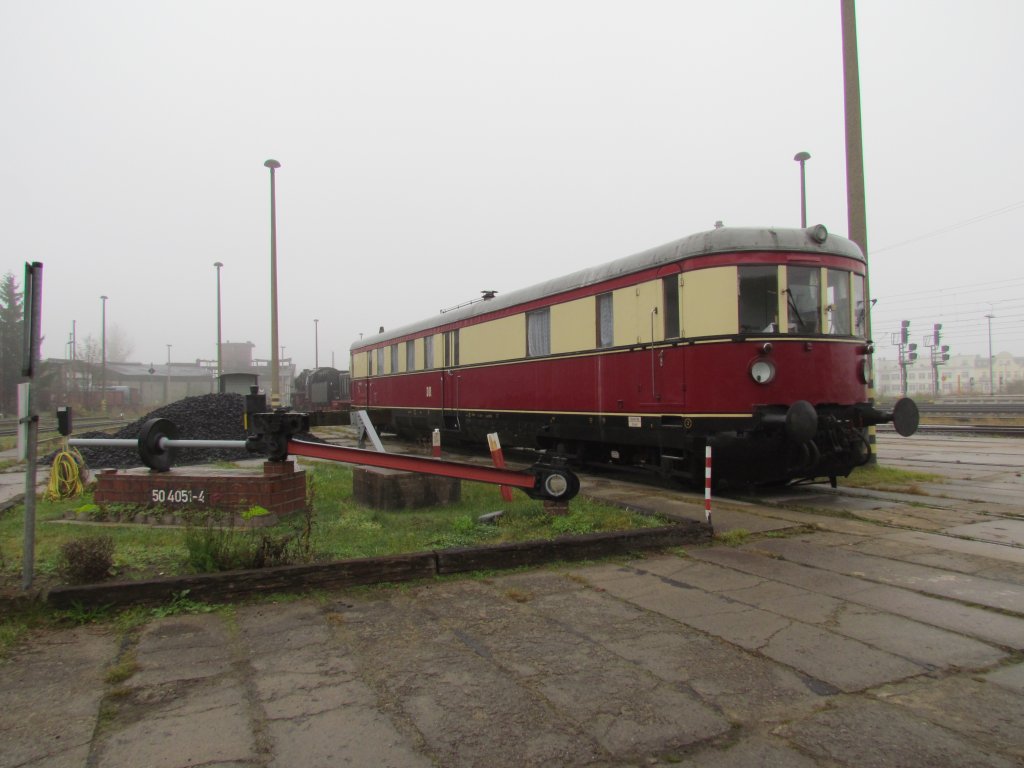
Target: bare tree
column 119, row 346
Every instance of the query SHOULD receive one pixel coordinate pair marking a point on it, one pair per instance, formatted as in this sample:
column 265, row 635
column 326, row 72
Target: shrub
column 213, row 549
column 83, row 561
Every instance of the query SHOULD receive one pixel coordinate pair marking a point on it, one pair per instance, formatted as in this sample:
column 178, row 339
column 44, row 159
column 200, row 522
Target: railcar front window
column 803, row 297
column 538, row 333
column 860, row 320
column 759, row 299
column 838, row 308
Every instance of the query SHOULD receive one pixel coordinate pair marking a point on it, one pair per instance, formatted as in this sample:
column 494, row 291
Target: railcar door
column 668, row 358
column 450, row 381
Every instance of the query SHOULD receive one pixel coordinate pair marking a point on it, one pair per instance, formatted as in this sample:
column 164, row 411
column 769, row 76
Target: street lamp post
column 103, row 364
column 220, row 364
column 167, row 379
column 275, row 387
column 802, row 157
column 991, row 380
column 316, row 344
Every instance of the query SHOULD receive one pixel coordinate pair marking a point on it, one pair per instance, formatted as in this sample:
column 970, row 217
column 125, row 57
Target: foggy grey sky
column 432, row 150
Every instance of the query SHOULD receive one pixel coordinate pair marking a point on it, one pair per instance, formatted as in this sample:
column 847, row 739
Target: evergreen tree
column 12, row 322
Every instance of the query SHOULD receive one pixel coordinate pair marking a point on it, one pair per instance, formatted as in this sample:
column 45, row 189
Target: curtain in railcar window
column 759, row 299
column 605, row 321
column 410, row 355
column 538, row 333
column 380, row 361
column 394, row 358
column 428, row 352
column 803, row 286
column 838, row 308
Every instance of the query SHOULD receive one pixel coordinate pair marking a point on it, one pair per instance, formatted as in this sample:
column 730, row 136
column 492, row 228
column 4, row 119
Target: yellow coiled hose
column 66, row 475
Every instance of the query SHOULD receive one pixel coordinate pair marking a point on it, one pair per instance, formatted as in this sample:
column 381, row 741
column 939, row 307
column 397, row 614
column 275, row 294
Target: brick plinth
column 280, row 490
column 393, row 489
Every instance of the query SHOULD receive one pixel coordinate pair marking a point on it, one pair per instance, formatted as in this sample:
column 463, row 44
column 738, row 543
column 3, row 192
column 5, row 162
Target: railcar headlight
column 762, row 371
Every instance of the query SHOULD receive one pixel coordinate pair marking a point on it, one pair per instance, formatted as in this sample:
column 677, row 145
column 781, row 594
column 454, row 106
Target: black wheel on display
column 152, row 454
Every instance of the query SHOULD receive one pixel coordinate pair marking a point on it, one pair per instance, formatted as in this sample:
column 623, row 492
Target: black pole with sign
column 28, row 422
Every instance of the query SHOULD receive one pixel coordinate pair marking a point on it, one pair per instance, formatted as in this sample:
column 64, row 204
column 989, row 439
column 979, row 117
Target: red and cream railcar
column 751, row 340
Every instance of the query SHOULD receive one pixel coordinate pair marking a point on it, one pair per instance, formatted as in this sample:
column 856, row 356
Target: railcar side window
column 838, row 308
column 670, row 295
column 394, row 358
column 860, row 327
column 380, row 361
column 428, row 352
column 451, row 348
column 759, row 299
column 538, row 332
column 410, row 355
column 804, row 299
column 605, row 321
column 369, row 363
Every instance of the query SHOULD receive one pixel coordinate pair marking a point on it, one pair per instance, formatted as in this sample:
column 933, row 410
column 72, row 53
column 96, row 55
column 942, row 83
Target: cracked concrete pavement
column 875, row 641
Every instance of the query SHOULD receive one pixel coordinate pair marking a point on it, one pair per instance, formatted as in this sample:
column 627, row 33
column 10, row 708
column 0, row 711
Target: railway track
column 9, row 427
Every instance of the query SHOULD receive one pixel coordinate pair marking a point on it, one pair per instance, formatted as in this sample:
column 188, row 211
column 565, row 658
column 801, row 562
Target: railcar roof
column 719, row 240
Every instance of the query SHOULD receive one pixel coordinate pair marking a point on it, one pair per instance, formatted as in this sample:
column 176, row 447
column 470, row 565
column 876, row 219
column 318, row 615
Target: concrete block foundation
column 380, row 488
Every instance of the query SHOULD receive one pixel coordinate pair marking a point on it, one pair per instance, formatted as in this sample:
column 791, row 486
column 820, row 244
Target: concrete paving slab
column 964, row 587
column 786, row 600
column 927, row 646
column 1010, row 677
column 839, row 661
column 1003, row 531
column 761, row 751
column 979, row 623
column 978, row 710
column 954, row 543
column 50, row 695
column 847, row 664
column 753, row 561
column 204, row 724
column 181, row 648
column 882, row 735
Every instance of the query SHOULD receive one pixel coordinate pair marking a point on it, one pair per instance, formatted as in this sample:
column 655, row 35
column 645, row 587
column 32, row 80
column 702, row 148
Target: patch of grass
column 122, row 670
column 734, row 538
column 335, row 529
column 881, row 478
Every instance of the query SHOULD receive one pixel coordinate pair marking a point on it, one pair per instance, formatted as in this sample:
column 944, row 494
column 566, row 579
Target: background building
column 962, row 375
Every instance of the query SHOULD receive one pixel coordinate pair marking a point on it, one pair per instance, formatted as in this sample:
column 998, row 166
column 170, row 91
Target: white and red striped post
column 435, row 444
column 707, row 484
column 499, row 461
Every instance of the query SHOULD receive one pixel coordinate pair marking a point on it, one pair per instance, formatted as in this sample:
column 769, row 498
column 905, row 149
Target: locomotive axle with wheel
column 273, row 435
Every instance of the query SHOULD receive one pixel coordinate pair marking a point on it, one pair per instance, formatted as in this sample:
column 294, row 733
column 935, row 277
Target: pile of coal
column 205, row 417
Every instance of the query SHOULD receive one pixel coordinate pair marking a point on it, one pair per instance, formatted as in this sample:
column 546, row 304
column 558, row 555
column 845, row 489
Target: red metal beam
column 408, row 463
